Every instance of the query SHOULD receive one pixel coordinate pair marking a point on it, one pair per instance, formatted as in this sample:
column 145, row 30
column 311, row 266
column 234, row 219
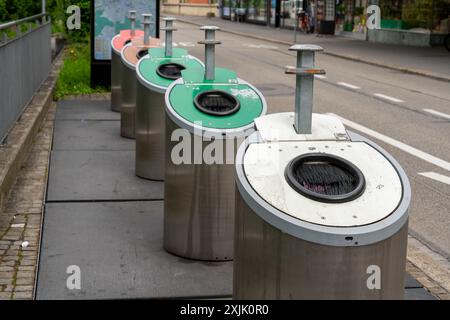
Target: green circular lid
column 184, row 92
column 148, row 69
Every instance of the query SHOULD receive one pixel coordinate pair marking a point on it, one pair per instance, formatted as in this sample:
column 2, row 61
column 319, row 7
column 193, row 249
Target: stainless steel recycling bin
column 117, row 44
column 322, row 212
column 155, row 73
column 207, row 117
column 130, row 56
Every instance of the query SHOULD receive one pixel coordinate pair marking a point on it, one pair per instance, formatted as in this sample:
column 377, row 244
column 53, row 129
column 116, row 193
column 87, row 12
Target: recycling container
column 206, row 118
column 130, row 55
column 155, row 73
column 320, row 214
column 117, row 44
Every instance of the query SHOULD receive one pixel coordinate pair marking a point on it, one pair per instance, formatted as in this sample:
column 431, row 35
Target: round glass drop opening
column 325, row 178
column 217, row 103
column 142, row 53
column 170, row 71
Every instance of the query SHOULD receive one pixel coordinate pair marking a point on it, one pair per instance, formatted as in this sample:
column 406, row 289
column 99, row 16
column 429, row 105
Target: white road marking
column 187, row 44
column 259, row 46
column 18, row 225
column 398, row 144
column 437, row 113
column 348, row 85
column 385, row 97
column 436, row 176
column 319, row 76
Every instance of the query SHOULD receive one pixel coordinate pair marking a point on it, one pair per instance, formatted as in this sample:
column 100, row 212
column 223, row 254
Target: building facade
column 414, row 22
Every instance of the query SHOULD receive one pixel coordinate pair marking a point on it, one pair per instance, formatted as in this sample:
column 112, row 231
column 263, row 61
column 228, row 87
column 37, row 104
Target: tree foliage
column 17, row 9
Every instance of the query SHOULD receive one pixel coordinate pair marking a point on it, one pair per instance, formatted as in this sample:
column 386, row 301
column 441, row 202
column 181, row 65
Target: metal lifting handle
column 147, row 22
column 132, row 18
column 304, row 86
column 210, row 43
column 169, row 35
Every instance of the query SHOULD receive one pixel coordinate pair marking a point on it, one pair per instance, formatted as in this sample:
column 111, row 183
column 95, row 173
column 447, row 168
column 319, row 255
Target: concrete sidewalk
column 100, row 217
column 432, row 62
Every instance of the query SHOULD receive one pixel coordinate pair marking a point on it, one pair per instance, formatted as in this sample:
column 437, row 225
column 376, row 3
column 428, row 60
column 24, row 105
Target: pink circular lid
column 118, row 41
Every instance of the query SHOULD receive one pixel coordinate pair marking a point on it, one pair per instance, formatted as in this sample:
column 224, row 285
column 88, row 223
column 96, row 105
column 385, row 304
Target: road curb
column 333, row 54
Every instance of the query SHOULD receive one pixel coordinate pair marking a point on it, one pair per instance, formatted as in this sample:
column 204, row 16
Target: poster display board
column 108, row 17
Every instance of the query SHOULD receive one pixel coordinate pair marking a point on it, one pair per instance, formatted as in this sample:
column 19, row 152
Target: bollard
column 155, row 73
column 207, row 115
column 117, row 44
column 321, row 212
column 130, row 56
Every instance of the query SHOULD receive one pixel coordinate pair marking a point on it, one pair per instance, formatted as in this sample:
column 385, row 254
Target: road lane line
column 319, row 76
column 437, row 113
column 385, row 97
column 436, row 176
column 348, row 85
column 398, row 144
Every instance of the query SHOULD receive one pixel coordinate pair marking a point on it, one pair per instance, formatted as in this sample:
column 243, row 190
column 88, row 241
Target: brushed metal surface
column 128, row 103
column 25, row 62
column 150, row 133
column 116, row 82
column 199, row 204
column 270, row 264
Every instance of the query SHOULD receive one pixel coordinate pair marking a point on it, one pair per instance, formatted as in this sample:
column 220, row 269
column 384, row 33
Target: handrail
column 10, row 24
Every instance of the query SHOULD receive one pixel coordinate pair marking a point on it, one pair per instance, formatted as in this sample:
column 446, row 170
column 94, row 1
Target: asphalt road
column 410, row 115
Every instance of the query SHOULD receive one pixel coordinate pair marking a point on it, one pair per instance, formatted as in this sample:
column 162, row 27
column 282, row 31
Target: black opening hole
column 127, row 42
column 170, row 70
column 325, row 178
column 142, row 53
column 216, row 102
column 349, row 238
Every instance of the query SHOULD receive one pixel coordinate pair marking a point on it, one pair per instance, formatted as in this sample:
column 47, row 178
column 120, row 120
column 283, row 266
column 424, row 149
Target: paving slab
column 85, row 110
column 418, row 294
column 411, row 282
column 118, row 248
column 90, row 135
column 98, row 176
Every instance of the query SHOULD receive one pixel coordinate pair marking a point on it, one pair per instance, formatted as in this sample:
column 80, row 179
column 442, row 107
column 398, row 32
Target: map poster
column 111, row 16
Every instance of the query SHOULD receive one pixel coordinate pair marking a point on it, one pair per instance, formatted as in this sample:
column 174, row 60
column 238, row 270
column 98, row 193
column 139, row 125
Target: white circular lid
column 265, row 163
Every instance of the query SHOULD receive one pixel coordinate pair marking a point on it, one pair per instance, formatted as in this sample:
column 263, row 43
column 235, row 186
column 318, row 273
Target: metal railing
column 25, row 60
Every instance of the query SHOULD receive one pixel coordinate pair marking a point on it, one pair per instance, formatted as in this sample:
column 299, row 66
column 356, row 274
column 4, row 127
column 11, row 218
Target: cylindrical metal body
column 199, row 189
column 309, row 241
column 271, row 264
column 199, row 217
column 150, row 133
column 128, row 103
column 130, row 56
column 117, row 44
column 116, row 82
column 150, row 114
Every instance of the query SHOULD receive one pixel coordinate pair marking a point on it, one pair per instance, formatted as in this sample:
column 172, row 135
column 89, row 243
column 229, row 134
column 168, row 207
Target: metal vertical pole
column 304, row 86
column 132, row 18
column 169, row 35
column 295, row 21
column 44, row 10
column 210, row 43
column 146, row 22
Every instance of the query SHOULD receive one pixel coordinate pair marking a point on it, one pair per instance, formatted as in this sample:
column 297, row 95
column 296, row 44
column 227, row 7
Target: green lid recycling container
column 207, row 115
column 159, row 69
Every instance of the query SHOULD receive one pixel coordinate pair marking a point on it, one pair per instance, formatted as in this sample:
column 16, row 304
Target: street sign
column 108, row 17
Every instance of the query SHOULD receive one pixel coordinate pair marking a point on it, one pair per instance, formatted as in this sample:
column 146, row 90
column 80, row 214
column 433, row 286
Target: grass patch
column 75, row 75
